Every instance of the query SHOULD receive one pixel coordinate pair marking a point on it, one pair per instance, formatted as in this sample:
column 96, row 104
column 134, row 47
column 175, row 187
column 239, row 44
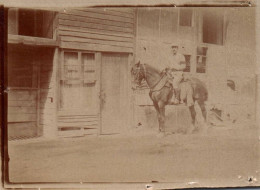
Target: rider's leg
column 173, row 99
column 178, row 76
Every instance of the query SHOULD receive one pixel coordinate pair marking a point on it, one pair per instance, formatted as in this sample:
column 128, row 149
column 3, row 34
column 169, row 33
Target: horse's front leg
column 161, row 106
column 193, row 119
column 158, row 113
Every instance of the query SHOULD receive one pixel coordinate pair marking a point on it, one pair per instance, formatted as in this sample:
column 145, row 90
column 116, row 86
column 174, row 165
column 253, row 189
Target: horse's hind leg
column 158, row 113
column 203, row 109
column 193, row 114
column 160, row 109
column 193, row 119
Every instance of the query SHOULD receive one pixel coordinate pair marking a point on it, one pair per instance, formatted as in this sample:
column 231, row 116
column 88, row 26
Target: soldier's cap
column 174, row 45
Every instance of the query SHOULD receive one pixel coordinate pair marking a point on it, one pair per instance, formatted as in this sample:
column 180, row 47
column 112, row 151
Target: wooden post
column 50, row 129
column 38, row 66
column 98, row 89
column 130, row 92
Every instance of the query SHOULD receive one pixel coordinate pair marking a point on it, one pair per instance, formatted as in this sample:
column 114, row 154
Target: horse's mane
column 152, row 69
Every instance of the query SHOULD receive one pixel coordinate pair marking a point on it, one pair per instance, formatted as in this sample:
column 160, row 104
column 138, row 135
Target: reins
column 145, row 77
column 144, row 70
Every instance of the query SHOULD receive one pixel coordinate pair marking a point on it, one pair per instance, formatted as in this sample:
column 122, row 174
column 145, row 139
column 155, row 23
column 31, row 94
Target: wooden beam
column 28, row 40
column 122, row 10
column 130, row 91
column 125, row 36
column 96, row 41
column 98, row 60
column 95, row 47
column 21, row 117
column 106, row 11
column 81, row 32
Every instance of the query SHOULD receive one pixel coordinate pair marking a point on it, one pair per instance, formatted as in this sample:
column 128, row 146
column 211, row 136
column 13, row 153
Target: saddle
column 161, row 83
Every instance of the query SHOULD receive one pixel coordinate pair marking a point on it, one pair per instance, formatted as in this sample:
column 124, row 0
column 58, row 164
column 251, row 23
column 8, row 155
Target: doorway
column 114, row 96
column 78, row 106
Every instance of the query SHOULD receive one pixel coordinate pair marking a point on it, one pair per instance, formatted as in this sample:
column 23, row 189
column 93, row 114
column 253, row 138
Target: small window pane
column 88, row 60
column 71, row 65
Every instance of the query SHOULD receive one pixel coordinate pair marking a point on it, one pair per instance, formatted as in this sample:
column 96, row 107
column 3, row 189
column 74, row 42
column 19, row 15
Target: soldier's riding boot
column 174, row 100
column 177, row 94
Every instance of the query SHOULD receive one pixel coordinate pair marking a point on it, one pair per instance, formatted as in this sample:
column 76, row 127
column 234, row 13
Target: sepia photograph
column 152, row 96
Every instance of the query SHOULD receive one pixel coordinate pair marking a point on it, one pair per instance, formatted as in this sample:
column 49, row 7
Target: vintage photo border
column 110, row 3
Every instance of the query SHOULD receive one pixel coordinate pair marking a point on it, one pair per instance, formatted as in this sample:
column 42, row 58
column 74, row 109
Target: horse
column 161, row 92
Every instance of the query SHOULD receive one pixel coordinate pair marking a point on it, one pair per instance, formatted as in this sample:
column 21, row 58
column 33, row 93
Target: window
column 201, row 59
column 213, row 28
column 78, row 80
column 185, row 17
column 88, row 60
column 29, row 22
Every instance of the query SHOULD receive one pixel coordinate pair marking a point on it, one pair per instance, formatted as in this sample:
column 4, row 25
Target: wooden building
column 69, row 69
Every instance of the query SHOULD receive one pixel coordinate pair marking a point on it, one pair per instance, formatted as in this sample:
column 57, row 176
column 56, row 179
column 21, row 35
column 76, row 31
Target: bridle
column 144, row 68
column 141, row 73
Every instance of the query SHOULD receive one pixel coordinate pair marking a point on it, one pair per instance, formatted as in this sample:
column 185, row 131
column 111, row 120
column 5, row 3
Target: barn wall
column 22, row 95
column 31, row 109
column 97, row 29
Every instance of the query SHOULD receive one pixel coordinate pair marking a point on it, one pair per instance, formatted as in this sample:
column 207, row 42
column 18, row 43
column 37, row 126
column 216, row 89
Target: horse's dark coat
column 161, row 97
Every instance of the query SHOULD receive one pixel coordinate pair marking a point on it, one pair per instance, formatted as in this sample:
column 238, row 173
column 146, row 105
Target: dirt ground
column 224, row 156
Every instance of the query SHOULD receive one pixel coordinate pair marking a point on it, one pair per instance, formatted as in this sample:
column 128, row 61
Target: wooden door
column 114, row 93
column 78, row 107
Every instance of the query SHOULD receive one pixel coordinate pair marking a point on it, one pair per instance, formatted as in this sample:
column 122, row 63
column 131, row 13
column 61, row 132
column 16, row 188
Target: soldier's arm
column 180, row 66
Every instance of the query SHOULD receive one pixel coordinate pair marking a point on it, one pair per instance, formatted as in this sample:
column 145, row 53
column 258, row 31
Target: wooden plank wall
column 97, row 29
column 22, row 95
column 47, row 102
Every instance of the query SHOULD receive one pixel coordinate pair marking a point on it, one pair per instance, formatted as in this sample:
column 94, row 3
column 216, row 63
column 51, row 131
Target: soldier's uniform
column 174, row 70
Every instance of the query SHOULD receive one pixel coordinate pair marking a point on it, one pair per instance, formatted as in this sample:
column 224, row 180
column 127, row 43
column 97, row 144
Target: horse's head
column 137, row 73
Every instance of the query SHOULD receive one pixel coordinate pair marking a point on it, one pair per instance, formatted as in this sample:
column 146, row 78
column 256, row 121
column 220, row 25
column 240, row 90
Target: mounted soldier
column 174, row 71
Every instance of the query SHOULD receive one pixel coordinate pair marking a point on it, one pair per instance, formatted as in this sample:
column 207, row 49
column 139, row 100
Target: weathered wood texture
column 22, row 94
column 47, row 104
column 77, row 125
column 78, row 109
column 22, row 130
column 28, row 40
column 114, row 93
column 97, row 29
